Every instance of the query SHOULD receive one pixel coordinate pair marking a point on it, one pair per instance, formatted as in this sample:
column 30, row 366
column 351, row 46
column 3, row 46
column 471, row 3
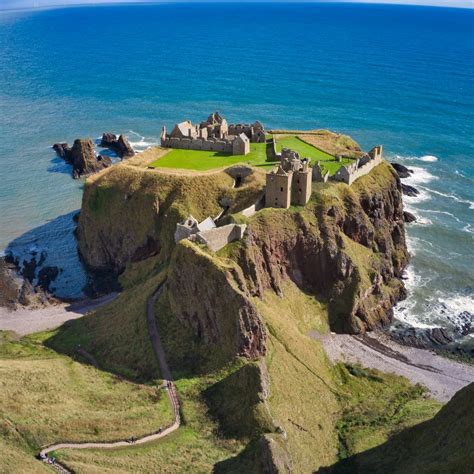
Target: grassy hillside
column 47, row 397
column 441, row 445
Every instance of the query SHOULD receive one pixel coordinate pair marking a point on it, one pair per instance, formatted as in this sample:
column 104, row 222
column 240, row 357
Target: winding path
column 169, row 386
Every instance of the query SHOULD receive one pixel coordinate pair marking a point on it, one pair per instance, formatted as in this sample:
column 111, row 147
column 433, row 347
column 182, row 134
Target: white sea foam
column 419, row 176
column 428, row 158
column 468, row 228
column 441, row 309
column 445, row 213
column 141, row 144
column 420, row 219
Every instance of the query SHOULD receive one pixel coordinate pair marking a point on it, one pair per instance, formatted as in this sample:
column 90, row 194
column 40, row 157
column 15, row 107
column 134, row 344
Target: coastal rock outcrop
column 408, row 217
column 409, row 190
column 16, row 290
column 346, row 246
column 402, row 171
column 120, row 145
column 82, row 157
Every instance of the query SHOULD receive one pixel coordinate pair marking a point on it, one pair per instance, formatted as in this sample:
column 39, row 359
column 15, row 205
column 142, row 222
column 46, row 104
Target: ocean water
column 396, row 75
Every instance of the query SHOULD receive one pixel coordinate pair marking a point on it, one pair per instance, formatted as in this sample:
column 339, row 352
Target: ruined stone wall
column 251, row 210
column 274, row 147
column 219, row 237
column 348, row 174
column 211, row 144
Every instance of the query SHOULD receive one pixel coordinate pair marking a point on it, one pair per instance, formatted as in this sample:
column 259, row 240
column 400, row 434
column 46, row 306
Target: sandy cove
column 25, row 321
column 443, row 377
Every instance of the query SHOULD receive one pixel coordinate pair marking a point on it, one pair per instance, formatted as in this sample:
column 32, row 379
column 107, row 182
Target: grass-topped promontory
column 208, row 160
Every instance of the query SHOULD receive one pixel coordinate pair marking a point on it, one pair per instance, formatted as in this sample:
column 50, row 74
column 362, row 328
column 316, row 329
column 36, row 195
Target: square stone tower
column 301, row 184
column 278, row 188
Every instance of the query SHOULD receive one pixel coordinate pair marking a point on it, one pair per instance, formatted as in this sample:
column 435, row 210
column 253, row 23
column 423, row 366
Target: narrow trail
column 169, row 387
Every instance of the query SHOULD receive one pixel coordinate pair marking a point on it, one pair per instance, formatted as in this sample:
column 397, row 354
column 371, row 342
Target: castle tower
column 301, row 184
column 278, row 188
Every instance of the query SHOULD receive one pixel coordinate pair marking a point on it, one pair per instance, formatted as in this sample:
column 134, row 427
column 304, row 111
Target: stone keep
column 290, row 182
column 301, row 184
column 278, row 188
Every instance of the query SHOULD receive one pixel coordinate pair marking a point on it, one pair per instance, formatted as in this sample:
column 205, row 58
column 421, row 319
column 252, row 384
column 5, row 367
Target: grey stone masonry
column 207, row 233
column 219, row 237
column 214, row 134
column 290, row 182
column 362, row 166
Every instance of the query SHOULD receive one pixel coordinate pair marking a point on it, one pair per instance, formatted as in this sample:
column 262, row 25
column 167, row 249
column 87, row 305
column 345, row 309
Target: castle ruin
column 207, row 233
column 290, row 182
column 214, row 134
column 349, row 173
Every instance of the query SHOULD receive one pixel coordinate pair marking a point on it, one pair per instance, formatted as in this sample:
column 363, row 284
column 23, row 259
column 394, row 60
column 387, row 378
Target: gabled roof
column 184, row 127
column 243, row 137
column 207, row 224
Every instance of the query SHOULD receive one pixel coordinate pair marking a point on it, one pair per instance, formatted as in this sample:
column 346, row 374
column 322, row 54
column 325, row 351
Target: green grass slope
column 441, row 445
column 48, row 398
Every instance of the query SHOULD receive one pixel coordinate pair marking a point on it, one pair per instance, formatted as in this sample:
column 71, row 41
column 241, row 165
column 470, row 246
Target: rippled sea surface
column 401, row 76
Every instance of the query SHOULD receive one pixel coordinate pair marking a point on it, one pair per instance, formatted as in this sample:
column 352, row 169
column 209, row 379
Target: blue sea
column 397, row 75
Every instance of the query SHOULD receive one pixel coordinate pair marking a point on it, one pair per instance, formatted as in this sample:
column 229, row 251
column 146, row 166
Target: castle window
column 281, row 189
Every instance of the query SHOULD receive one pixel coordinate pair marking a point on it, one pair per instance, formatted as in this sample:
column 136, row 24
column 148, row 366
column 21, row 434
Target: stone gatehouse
column 214, row 134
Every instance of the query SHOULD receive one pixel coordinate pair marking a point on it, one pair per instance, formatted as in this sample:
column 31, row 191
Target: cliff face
column 347, row 247
column 129, row 213
column 213, row 300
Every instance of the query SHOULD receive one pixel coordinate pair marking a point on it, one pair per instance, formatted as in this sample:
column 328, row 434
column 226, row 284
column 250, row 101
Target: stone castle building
column 290, row 182
column 348, row 174
column 207, row 233
column 214, row 134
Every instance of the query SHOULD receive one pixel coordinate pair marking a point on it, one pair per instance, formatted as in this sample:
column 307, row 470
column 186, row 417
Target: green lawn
column 328, row 162
column 208, row 160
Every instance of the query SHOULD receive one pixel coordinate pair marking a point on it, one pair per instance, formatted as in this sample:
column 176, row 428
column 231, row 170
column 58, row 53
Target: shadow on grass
column 440, row 445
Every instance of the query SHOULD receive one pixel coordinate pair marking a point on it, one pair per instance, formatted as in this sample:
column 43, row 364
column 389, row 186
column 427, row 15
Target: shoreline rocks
column 16, row 290
column 82, row 157
column 402, row 171
column 409, row 190
column 119, row 145
column 408, row 217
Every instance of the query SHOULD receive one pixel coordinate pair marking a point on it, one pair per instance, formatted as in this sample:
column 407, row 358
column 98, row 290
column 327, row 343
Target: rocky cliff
column 211, row 297
column 347, row 247
column 129, row 213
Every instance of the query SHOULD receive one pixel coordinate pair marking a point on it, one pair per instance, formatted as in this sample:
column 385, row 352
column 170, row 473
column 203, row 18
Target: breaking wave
column 428, row 158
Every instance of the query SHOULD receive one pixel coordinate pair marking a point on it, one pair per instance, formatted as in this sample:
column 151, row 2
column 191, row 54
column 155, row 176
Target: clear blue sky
column 9, row 4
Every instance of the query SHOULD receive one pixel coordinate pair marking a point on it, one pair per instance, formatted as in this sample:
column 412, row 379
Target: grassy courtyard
column 328, row 162
column 208, row 160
